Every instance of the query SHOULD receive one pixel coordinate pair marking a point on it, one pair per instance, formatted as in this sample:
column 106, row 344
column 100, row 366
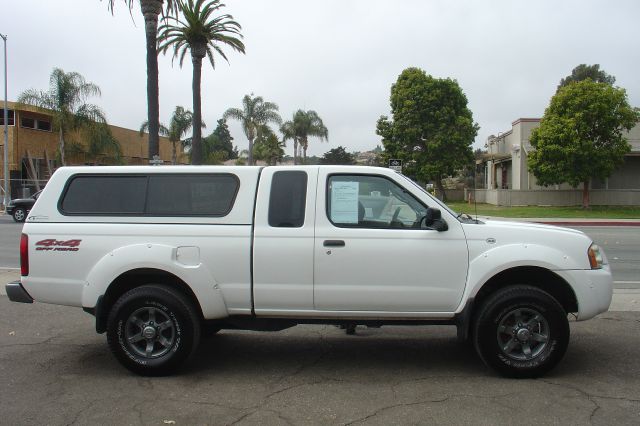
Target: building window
column 35, row 123
column 44, row 125
column 10, row 116
column 28, row 122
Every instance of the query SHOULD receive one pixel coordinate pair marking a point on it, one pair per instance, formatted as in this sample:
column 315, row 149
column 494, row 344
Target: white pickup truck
column 160, row 255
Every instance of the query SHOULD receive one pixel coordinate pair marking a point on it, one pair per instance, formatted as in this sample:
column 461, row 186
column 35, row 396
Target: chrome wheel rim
column 150, row 332
column 523, row 334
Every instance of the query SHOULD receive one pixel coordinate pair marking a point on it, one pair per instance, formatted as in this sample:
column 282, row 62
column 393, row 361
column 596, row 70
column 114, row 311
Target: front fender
column 155, row 256
column 491, row 262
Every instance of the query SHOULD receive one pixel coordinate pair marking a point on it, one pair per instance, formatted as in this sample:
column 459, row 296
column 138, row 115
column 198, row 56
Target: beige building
column 508, row 181
column 33, row 147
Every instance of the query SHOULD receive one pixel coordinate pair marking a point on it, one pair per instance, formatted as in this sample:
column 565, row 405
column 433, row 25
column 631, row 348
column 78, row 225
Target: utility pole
column 7, row 195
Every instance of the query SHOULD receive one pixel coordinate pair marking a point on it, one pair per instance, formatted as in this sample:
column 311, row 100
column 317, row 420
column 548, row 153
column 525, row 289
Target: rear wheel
column 521, row 332
column 19, row 214
column 153, row 329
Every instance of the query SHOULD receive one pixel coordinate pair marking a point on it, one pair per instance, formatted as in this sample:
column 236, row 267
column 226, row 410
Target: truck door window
column 288, row 198
column 365, row 201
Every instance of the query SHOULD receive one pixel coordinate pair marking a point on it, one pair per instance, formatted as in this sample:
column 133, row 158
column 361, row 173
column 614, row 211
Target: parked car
column 20, row 207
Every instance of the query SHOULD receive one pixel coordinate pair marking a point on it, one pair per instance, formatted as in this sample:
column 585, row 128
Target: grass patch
column 595, row 212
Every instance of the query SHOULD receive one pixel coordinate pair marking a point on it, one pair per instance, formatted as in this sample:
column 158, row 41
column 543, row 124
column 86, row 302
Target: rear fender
column 161, row 257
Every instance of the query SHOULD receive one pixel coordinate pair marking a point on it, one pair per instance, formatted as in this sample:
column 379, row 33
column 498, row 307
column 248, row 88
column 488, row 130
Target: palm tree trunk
column 250, row 153
column 295, row 151
column 151, row 10
column 174, row 154
column 62, row 147
column 196, row 141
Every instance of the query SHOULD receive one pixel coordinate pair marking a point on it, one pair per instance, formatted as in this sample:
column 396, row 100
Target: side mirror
column 433, row 220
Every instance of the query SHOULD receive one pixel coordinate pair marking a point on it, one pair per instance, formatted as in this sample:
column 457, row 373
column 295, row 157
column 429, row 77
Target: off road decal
column 55, row 245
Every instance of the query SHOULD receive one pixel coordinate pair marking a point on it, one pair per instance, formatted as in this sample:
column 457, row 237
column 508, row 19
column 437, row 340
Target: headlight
column 596, row 257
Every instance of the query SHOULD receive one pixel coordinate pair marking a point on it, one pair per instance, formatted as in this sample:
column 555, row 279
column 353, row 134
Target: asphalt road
column 621, row 244
column 56, row 371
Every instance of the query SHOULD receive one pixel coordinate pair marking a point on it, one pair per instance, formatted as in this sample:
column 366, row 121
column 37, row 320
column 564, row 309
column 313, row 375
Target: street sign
column 156, row 161
column 395, row 164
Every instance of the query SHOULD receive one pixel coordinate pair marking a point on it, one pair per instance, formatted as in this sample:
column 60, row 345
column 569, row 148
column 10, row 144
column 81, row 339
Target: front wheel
column 153, row 329
column 521, row 332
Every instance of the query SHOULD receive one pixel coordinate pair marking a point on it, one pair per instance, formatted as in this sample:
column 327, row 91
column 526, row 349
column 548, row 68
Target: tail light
column 24, row 255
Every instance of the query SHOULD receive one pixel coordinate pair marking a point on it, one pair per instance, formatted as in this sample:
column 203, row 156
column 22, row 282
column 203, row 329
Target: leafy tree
column 181, row 122
column 220, row 141
column 66, row 99
column 303, row 125
column 201, row 33
column 583, row 72
column 102, row 143
column 580, row 135
column 255, row 112
column 151, row 10
column 432, row 128
column 338, row 155
column 267, row 146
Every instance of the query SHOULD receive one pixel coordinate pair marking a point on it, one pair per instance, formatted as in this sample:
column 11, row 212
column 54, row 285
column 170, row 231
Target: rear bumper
column 17, row 293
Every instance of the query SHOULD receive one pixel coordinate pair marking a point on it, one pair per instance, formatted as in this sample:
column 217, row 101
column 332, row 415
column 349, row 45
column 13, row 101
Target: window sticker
column 344, row 202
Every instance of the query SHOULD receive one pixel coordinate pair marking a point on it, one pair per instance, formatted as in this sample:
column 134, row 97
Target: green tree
column 303, row 125
column 220, row 141
column 202, row 34
column 255, row 112
column 580, row 135
column 66, row 98
column 432, row 127
column 337, row 155
column 181, row 123
column 267, row 147
column 584, row 72
column 102, row 143
column 151, row 10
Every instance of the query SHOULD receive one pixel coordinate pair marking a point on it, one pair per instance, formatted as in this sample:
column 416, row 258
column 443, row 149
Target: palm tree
column 202, row 34
column 66, row 100
column 151, row 10
column 181, row 122
column 255, row 112
column 303, row 125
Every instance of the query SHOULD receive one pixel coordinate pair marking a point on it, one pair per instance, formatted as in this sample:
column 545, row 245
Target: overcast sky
column 337, row 57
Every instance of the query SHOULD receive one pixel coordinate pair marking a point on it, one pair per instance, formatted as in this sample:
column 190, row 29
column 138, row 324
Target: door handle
column 333, row 243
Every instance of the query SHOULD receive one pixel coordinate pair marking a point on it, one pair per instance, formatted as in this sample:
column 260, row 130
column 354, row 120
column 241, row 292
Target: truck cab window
column 288, row 198
column 366, row 201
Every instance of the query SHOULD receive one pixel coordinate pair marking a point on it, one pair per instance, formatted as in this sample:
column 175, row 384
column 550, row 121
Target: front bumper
column 17, row 293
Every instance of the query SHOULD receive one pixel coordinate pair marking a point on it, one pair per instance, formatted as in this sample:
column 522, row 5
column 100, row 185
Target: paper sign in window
column 344, row 202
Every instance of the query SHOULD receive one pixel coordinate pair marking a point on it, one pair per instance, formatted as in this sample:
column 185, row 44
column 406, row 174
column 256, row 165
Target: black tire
column 19, row 214
column 153, row 329
column 521, row 332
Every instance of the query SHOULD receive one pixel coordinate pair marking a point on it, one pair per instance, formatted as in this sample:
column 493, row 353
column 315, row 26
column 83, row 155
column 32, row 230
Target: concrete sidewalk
column 627, row 299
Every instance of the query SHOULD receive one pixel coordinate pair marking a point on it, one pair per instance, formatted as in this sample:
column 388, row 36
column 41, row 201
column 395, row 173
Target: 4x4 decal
column 55, row 245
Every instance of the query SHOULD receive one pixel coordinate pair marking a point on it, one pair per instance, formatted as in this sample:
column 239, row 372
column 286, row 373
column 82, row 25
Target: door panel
column 283, row 243
column 385, row 263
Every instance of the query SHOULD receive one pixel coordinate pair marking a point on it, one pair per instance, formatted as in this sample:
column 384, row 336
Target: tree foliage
column 432, row 128
column 338, row 155
column 580, row 136
column 202, row 33
column 181, row 123
column 584, row 72
column 66, row 99
column 218, row 146
column 255, row 112
column 268, row 147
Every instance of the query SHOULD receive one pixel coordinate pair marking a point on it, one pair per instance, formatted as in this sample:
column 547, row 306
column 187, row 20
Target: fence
column 597, row 197
column 22, row 188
